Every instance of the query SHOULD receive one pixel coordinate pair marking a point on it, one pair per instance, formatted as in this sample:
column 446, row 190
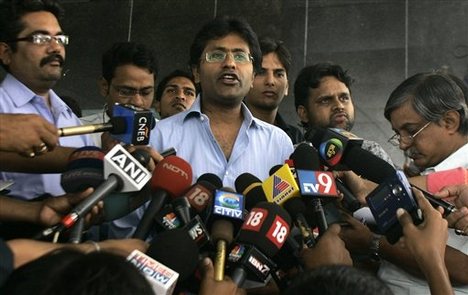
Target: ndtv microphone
column 171, row 177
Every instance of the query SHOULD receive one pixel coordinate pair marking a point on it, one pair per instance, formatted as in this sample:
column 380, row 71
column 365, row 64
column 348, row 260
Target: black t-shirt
column 6, row 261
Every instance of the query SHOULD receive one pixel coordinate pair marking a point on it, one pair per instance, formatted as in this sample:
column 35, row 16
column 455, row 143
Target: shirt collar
column 457, row 159
column 195, row 111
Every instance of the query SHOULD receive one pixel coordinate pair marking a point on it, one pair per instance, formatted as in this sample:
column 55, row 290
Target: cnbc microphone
column 171, row 177
column 226, row 215
column 261, row 236
column 124, row 173
column 128, row 124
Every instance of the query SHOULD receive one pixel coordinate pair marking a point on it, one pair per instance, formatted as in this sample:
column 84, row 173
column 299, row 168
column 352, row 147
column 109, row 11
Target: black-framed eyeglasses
column 239, row 57
column 124, row 91
column 43, row 39
column 396, row 139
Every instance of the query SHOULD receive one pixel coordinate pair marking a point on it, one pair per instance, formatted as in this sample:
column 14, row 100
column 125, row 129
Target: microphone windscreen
column 211, row 178
column 305, row 157
column 368, row 165
column 119, row 125
column 274, row 169
column 251, row 187
column 173, row 175
column 117, row 205
column 84, row 169
column 266, row 227
column 222, row 230
column 141, row 156
column 175, row 249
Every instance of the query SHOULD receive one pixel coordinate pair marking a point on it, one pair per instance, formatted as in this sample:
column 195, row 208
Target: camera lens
column 397, row 190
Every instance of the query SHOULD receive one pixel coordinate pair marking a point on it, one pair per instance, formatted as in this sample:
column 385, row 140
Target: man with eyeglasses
column 429, row 115
column 218, row 134
column 32, row 51
column 175, row 93
column 129, row 72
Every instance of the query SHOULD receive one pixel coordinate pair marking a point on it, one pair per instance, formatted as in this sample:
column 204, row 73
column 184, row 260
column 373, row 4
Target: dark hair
column 128, row 53
column 337, row 280
column 99, row 273
column 165, row 80
column 33, row 275
column 220, row 27
column 310, row 76
column 431, row 95
column 11, row 12
column 269, row 45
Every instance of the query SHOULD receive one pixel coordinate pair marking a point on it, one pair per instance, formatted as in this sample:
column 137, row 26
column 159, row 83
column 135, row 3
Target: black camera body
column 395, row 192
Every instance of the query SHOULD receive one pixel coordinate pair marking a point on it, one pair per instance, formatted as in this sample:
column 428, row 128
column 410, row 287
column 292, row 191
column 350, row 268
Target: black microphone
column 123, row 173
column 172, row 176
column 261, row 236
column 341, row 149
column 128, row 124
column 251, row 187
column 226, row 215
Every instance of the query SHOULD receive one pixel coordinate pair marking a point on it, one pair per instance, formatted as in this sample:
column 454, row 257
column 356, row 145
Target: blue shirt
column 15, row 97
column 258, row 147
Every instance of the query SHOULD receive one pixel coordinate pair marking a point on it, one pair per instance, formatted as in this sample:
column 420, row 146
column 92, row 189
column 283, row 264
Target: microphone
column 162, row 278
column 332, row 143
column 200, row 195
column 171, row 177
column 176, row 249
column 261, row 236
column 84, row 169
column 251, row 187
column 337, row 146
column 227, row 214
column 128, row 124
column 123, row 173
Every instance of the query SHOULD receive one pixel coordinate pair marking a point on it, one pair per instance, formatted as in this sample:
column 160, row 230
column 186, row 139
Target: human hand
column 459, row 196
column 357, row 236
column 330, row 249
column 53, row 209
column 27, row 134
column 428, row 239
column 210, row 286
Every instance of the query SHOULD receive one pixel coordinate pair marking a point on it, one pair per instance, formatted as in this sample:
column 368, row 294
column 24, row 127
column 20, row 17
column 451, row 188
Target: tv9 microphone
column 261, row 236
column 171, row 177
column 226, row 215
column 128, row 124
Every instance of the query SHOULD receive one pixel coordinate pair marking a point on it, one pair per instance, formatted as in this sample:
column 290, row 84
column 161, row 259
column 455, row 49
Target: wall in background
column 380, row 42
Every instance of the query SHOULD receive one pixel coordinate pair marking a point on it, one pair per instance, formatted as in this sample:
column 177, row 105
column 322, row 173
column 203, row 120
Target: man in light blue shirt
column 33, row 57
column 219, row 134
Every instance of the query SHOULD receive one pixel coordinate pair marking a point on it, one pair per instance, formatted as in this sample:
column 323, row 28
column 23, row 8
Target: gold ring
column 42, row 148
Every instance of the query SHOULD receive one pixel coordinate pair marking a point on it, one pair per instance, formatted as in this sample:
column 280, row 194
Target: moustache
column 51, row 58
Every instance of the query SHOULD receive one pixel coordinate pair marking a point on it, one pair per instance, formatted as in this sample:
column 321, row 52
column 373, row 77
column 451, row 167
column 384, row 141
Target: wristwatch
column 374, row 247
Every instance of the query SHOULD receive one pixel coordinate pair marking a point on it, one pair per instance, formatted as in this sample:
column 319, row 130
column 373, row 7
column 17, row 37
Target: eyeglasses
column 396, row 139
column 43, row 39
column 239, row 57
column 124, row 91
